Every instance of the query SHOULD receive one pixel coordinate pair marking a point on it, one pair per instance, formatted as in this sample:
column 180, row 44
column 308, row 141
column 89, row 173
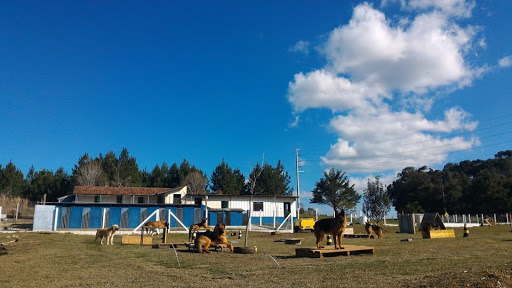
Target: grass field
column 66, row 260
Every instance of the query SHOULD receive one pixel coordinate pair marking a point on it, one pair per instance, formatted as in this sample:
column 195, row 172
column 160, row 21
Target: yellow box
column 135, row 240
column 448, row 233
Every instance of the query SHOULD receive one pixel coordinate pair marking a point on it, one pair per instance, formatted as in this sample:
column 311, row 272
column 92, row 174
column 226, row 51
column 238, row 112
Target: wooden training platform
column 346, row 250
column 355, row 236
column 297, row 241
column 170, row 245
column 191, row 246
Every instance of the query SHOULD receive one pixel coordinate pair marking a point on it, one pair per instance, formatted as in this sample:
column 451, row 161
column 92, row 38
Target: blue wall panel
column 150, row 211
column 115, row 216
column 188, row 216
column 172, row 222
column 96, row 217
column 267, row 220
column 212, row 218
column 236, row 218
column 133, row 217
column 75, row 217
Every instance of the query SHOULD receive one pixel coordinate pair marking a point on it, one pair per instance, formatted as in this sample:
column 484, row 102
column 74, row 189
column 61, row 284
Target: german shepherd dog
column 331, row 226
column 215, row 237
column 374, row 230
column 197, row 226
column 153, row 225
column 106, row 233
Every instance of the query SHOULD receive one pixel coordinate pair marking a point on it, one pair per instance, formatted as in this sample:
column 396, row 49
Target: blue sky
column 365, row 87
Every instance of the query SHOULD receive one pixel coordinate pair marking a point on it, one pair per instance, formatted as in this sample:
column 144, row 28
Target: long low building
column 130, row 207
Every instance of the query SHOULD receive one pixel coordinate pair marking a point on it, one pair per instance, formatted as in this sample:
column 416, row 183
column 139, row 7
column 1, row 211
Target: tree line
column 123, row 171
column 479, row 186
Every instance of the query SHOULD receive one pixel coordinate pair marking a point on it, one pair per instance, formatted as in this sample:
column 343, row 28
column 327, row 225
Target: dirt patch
column 491, row 277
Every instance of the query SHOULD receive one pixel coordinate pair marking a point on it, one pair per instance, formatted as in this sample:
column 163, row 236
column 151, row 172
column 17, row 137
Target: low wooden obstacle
column 432, row 227
column 355, row 236
column 346, row 250
column 448, row 233
column 136, row 240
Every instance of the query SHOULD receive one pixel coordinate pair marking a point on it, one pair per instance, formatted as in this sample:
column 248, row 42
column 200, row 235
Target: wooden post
column 17, row 210
column 141, row 235
column 495, row 219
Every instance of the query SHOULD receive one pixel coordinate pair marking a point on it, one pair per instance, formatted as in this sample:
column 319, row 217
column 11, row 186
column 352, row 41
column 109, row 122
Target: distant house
column 126, row 195
column 130, row 207
column 265, row 209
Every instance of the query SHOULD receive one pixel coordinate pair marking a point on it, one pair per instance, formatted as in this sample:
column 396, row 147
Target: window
column 224, row 204
column 160, row 199
column 176, row 199
column 198, row 201
column 140, row 199
column 97, row 198
column 257, row 206
column 120, row 199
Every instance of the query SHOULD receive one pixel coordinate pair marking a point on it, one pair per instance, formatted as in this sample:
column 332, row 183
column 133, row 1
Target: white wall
column 271, row 206
column 43, row 218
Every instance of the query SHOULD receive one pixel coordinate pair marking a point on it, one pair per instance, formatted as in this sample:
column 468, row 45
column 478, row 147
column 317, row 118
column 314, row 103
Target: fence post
column 495, row 219
column 477, row 220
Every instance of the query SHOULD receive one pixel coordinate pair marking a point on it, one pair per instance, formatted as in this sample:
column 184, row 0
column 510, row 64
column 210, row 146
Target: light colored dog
column 153, row 226
column 106, row 233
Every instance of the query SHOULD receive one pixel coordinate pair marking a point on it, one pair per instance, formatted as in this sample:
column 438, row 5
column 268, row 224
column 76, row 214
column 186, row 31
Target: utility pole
column 298, row 186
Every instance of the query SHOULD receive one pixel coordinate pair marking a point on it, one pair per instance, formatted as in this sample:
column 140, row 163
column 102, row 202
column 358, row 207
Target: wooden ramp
column 346, row 250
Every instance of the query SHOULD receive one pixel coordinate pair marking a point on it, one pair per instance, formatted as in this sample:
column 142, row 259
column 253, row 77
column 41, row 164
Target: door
column 124, row 217
column 86, row 217
column 287, row 209
column 64, row 219
column 228, row 218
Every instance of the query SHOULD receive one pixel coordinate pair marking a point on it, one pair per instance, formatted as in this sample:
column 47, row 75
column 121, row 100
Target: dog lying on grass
column 195, row 227
column 331, row 226
column 374, row 230
column 106, row 233
column 153, row 225
column 215, row 237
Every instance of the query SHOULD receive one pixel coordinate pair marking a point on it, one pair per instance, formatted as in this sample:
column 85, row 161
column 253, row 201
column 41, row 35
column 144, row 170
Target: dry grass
column 65, row 260
column 9, row 204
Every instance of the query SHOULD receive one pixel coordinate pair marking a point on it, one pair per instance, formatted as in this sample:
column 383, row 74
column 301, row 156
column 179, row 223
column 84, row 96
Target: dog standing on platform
column 106, row 233
column 151, row 226
column 331, row 226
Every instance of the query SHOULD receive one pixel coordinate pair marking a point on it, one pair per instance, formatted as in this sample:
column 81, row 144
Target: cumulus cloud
column 372, row 63
column 300, row 47
column 505, row 61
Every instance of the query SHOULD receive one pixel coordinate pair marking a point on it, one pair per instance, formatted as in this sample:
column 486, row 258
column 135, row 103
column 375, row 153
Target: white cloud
column 301, row 46
column 370, row 63
column 505, row 61
column 458, row 8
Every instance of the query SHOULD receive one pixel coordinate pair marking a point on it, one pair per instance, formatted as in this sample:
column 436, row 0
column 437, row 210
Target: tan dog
column 153, row 226
column 195, row 227
column 374, row 230
column 106, row 233
column 208, row 238
column 331, row 226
